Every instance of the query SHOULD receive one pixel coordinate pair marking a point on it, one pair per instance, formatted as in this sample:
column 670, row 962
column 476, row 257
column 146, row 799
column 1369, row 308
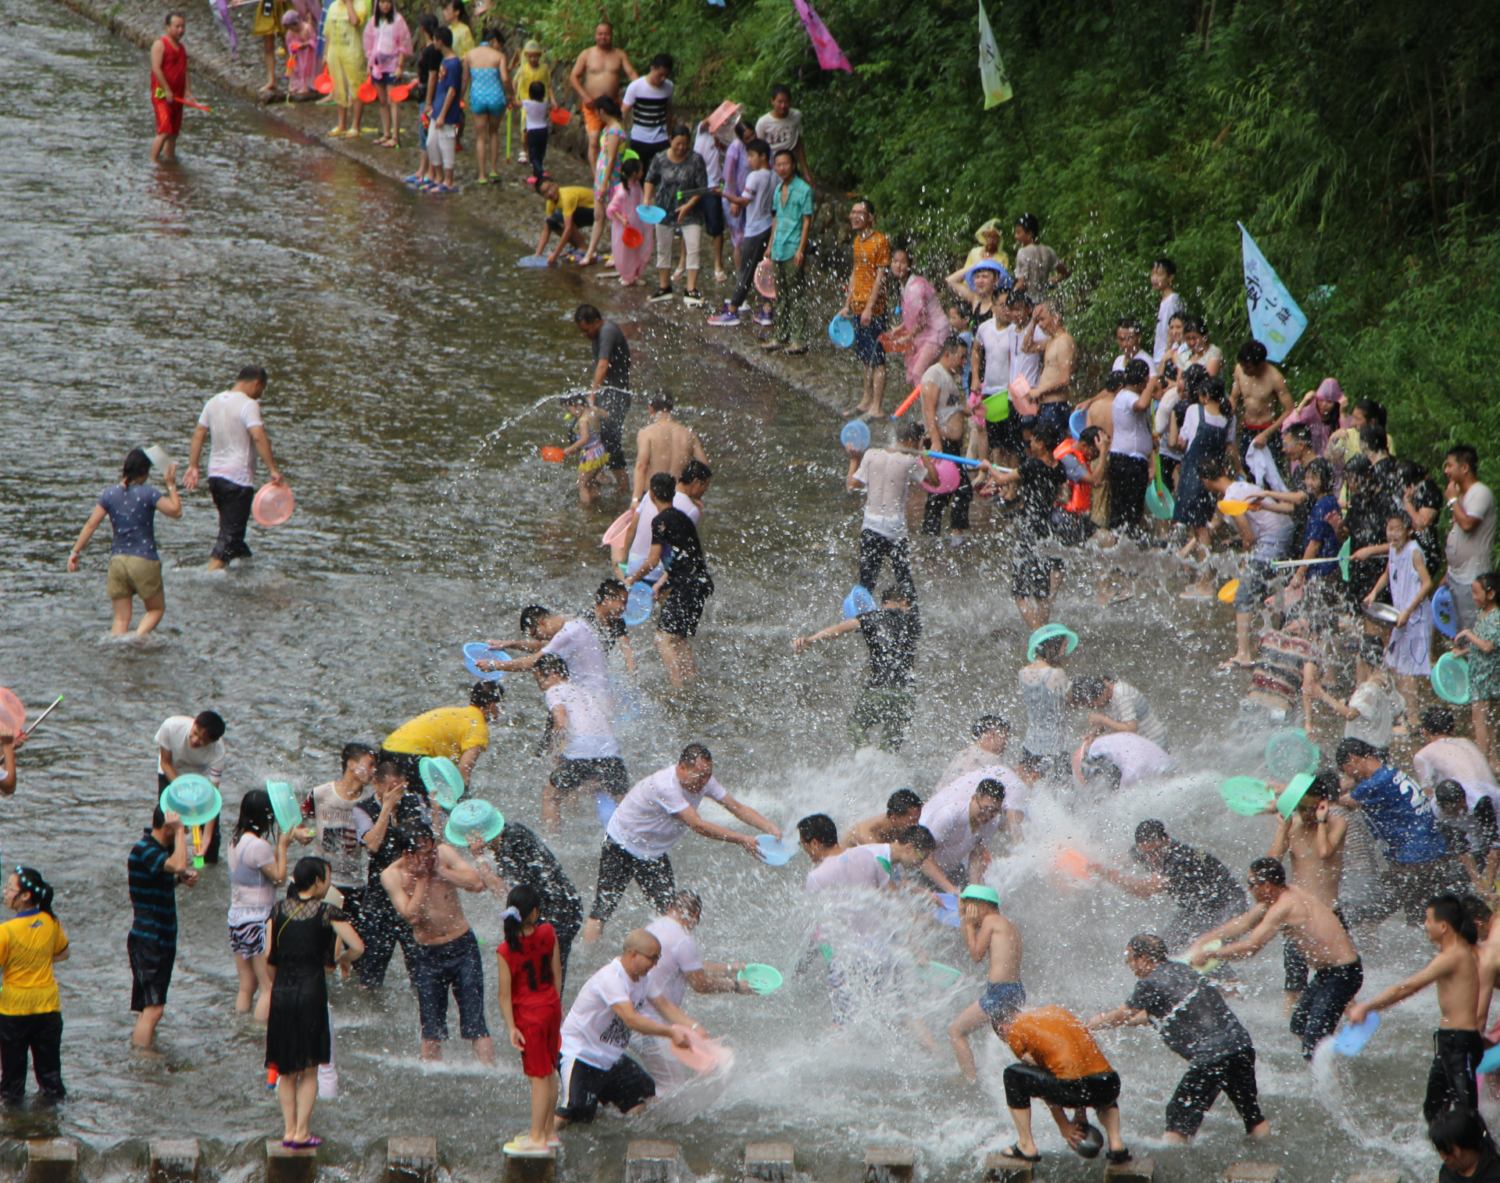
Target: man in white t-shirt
column 1128, row 338
column 193, row 744
column 887, row 476
column 991, row 733
column 781, row 128
column 651, row 819
column 336, row 836
column 963, row 818
column 1471, row 538
column 572, row 640
column 1163, row 279
column 870, row 865
column 583, row 742
column 232, row 421
column 648, row 102
column 688, row 498
column 594, row 1069
column 680, row 966
column 1446, row 756
column 1114, row 705
column 1264, row 533
column 1119, row 760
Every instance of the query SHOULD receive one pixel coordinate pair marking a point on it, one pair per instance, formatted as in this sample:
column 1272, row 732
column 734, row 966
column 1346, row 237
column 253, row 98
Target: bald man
column 594, row 1068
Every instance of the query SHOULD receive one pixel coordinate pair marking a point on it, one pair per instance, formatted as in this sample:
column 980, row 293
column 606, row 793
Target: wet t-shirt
column 1401, row 817
column 1198, row 882
column 132, row 516
column 1189, row 1013
column 593, row 1032
column 673, row 528
column 611, row 344
column 1040, row 484
column 891, row 634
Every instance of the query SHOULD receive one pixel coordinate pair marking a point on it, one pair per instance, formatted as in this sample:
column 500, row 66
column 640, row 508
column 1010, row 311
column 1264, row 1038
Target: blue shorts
column 455, row 965
column 999, row 997
column 867, row 346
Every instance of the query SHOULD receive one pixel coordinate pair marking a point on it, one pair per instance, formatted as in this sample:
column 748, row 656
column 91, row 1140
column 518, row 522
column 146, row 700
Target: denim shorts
column 867, row 346
column 455, row 965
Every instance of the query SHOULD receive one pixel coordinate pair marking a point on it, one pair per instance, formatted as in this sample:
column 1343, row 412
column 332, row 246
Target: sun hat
column 977, row 891
column 988, row 265
column 1050, row 632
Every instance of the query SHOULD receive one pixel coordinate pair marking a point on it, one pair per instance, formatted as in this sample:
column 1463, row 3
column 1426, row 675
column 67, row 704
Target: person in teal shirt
column 791, row 211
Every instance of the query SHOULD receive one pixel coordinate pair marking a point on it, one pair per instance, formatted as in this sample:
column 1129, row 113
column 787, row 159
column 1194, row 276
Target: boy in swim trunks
column 589, row 446
column 988, row 934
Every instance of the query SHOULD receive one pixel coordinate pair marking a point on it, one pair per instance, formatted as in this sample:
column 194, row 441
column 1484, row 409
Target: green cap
column 976, row 891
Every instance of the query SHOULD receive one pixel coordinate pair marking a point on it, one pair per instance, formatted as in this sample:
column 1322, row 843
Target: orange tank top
column 1057, row 1041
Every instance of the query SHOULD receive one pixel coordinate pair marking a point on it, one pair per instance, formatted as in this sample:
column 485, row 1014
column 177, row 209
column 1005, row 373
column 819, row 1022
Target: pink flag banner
column 830, row 56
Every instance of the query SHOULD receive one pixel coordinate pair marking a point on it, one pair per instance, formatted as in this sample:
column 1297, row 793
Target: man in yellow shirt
column 30, row 1010
column 459, row 733
column 570, row 209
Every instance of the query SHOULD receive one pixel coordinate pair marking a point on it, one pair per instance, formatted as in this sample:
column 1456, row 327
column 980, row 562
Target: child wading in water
column 1479, row 644
column 590, row 443
column 529, row 967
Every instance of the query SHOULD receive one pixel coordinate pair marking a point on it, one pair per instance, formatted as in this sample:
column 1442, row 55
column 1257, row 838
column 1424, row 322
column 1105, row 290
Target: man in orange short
column 597, row 73
column 1061, row 1065
column 169, row 86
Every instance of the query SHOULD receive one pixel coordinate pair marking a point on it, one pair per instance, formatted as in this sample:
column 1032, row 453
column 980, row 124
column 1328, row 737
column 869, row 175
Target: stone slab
column 52, row 1160
column 890, row 1164
column 1137, row 1170
column 770, row 1162
column 651, row 1161
column 1251, row 1172
column 284, row 1165
column 1001, row 1168
column 173, row 1160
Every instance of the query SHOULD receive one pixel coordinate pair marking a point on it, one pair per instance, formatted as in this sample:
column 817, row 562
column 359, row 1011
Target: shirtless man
column 989, row 935
column 991, row 733
column 1059, row 352
column 1305, row 921
column 1313, row 837
column 1457, row 1047
column 597, row 73
column 421, row 886
column 1259, row 393
column 903, row 810
column 663, row 445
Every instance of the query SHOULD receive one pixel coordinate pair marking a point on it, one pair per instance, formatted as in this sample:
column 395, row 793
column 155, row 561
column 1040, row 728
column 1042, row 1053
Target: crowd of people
column 1345, row 587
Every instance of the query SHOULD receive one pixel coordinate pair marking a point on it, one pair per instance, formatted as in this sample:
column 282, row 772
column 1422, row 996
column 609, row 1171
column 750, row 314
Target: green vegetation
column 1356, row 139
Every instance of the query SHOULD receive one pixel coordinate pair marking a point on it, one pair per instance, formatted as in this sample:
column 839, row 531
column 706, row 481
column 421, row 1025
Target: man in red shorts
column 169, row 86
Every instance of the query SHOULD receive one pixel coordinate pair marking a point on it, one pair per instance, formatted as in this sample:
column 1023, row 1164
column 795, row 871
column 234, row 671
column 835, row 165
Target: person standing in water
column 1457, row 1046
column 256, row 870
column 1319, row 936
column 522, row 859
column 528, row 968
column 169, row 86
column 1044, row 693
column 421, row 885
column 609, row 383
column 460, row 734
column 134, row 564
column 335, row 834
column 582, row 647
column 663, row 445
column 193, row 744
column 1193, row 1020
column 154, row 872
column 304, row 929
column 903, row 810
column 31, row 1022
column 583, row 742
column 891, row 633
column 887, row 476
column 1312, row 839
column 231, row 423
column 992, row 938
column 654, row 815
column 964, row 818
column 688, row 585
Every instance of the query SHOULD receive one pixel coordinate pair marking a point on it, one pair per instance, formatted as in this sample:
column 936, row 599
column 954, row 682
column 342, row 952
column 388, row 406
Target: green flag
column 991, row 69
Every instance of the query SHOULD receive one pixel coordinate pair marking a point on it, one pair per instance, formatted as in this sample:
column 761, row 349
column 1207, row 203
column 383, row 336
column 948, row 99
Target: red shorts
column 542, row 1030
column 168, row 117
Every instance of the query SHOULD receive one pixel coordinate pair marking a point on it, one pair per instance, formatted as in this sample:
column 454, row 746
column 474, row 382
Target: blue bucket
column 856, row 435
column 841, row 331
column 638, row 605
column 1077, row 421
column 858, row 602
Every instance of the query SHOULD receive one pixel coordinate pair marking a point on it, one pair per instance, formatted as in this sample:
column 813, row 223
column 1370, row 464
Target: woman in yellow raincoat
column 344, row 52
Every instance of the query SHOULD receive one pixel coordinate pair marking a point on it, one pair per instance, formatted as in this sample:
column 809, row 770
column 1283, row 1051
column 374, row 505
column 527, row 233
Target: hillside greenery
column 1357, row 140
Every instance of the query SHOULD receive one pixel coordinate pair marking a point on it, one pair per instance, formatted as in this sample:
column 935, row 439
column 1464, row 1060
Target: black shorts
column 1200, row 1088
column 583, row 1088
column 607, row 772
column 150, row 971
column 867, row 346
column 1026, row 1082
column 1031, row 573
column 683, row 608
column 583, row 219
column 713, row 215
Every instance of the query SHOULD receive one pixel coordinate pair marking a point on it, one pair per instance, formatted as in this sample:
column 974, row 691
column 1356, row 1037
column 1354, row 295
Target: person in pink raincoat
column 924, row 324
column 629, row 261
column 302, row 47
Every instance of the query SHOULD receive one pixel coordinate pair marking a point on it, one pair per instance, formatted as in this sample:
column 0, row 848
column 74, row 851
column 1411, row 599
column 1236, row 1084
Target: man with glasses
column 594, row 1069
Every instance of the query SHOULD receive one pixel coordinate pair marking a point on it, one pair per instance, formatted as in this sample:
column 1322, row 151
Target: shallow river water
column 404, row 348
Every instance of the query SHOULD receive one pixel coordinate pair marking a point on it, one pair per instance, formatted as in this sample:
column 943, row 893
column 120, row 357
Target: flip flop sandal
column 1118, row 1156
column 1015, row 1152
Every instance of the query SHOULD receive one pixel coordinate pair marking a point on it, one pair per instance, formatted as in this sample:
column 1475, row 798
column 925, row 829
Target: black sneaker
column 693, row 299
column 662, row 294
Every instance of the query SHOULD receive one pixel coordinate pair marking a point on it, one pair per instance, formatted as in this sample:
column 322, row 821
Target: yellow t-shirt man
column 447, row 731
column 569, row 199
column 28, row 943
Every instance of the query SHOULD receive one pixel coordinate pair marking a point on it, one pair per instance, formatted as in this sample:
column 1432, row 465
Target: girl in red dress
column 529, row 968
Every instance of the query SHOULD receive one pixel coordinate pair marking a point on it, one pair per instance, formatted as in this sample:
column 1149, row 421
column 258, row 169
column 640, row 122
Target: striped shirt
column 153, row 891
column 648, row 105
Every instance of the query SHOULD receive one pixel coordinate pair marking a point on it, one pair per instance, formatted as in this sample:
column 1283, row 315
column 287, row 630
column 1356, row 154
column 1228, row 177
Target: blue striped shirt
column 153, row 891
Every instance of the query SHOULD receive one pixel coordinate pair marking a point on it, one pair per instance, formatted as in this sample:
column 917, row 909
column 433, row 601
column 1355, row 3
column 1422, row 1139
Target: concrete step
column 650, row 1161
column 284, row 1165
column 173, row 1160
column 52, row 1160
column 889, row 1164
column 1251, row 1172
column 770, row 1162
column 1001, row 1168
column 1137, row 1170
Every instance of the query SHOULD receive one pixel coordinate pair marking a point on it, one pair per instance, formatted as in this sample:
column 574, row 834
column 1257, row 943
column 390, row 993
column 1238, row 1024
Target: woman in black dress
column 301, row 936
